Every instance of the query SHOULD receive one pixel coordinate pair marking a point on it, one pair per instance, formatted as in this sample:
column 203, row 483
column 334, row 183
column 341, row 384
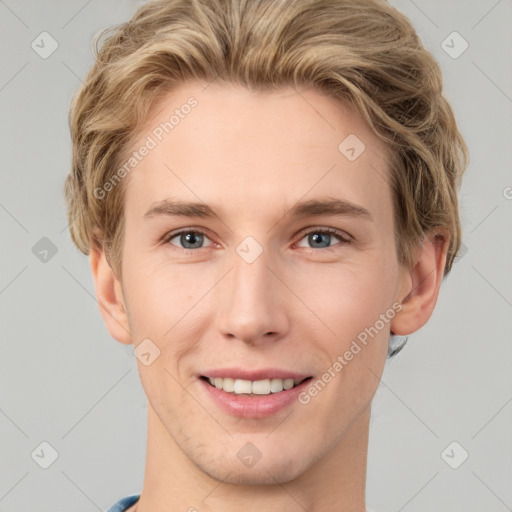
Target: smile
column 255, row 398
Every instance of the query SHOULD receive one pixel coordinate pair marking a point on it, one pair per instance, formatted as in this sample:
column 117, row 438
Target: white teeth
column 242, row 386
column 228, row 385
column 288, row 383
column 261, row 387
column 257, row 387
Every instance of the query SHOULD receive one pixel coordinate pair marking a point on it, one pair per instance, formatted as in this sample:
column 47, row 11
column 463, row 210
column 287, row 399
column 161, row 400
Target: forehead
column 254, row 150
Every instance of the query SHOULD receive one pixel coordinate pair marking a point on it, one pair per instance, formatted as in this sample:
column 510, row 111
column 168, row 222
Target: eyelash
column 344, row 240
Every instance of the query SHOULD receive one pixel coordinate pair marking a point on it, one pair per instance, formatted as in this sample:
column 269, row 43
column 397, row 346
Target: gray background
column 66, row 382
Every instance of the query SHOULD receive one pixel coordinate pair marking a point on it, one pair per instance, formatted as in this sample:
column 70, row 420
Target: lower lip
column 257, row 406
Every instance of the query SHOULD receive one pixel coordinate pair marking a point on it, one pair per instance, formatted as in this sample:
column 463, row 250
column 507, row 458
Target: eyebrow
column 311, row 208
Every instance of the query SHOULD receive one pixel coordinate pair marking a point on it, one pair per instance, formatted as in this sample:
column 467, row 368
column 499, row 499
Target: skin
column 254, row 155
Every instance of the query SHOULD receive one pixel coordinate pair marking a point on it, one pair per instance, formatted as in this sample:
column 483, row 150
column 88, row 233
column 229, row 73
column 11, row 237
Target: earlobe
column 425, row 277
column 110, row 297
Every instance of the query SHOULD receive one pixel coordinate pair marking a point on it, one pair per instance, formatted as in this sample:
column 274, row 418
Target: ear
column 424, row 281
column 110, row 297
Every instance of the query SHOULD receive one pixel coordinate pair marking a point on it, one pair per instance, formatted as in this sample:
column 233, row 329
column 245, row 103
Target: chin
column 275, row 464
column 271, row 472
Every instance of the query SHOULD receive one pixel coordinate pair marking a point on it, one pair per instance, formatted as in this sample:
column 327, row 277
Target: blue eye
column 323, row 235
column 192, row 239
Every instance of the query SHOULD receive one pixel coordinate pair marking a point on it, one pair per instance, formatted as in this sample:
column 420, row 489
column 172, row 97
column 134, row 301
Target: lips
column 252, row 405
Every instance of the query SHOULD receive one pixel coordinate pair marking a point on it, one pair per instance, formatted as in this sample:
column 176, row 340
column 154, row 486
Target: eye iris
column 195, row 239
column 190, row 237
column 315, row 237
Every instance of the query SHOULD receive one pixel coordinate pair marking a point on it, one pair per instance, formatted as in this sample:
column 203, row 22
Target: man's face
column 259, row 288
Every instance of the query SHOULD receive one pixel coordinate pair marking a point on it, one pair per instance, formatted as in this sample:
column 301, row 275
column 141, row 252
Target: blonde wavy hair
column 362, row 52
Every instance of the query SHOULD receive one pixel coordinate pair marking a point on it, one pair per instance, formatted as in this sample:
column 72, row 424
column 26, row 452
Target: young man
column 267, row 194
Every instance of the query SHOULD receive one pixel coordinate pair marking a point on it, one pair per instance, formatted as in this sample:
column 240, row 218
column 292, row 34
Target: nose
column 251, row 301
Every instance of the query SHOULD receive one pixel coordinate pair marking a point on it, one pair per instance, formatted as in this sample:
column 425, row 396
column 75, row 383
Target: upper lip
column 260, row 374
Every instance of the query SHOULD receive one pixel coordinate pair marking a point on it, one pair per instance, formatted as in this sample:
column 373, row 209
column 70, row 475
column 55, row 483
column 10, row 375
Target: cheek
column 348, row 297
column 159, row 293
column 351, row 302
column 356, row 352
column 167, row 305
